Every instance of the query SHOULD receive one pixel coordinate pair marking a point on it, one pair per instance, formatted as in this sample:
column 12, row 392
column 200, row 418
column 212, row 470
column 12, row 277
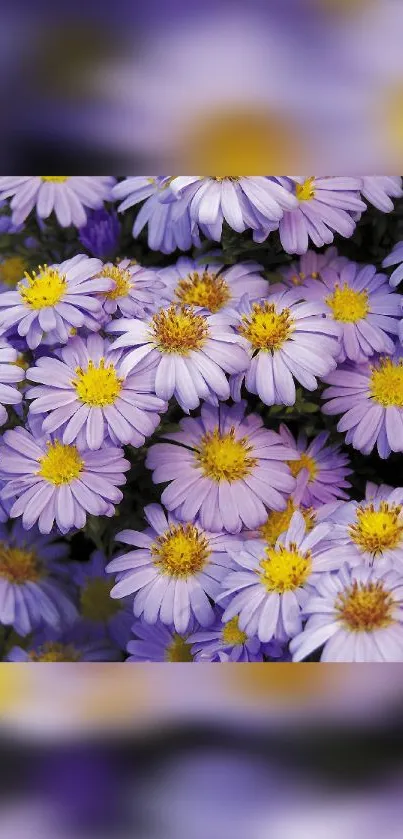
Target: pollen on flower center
column 278, row 521
column 285, row 569
column 55, row 652
column 96, row 602
column 178, row 650
column 304, row 462
column 232, row 634
column 386, row 383
column 122, row 279
column 56, row 179
column 378, row 530
column 224, row 458
column 348, row 305
column 265, row 328
column 179, row 330
column 61, row 464
column 18, row 565
column 42, row 289
column 203, row 289
column 181, row 551
column 98, row 386
column 363, row 608
column 12, row 269
column 225, row 177
column 306, row 190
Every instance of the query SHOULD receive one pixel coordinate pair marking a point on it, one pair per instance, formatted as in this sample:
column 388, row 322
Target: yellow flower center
column 12, row 269
column 121, row 277
column 223, row 458
column 278, row 521
column 377, row 530
column 363, row 608
column 386, row 383
column 181, row 552
column 179, row 330
column 265, row 328
column 54, row 652
column 232, row 634
column 18, row 565
column 61, row 464
column 45, row 288
column 96, row 602
column 347, row 305
column 179, row 650
column 56, row 179
column 207, row 290
column 97, row 386
column 226, row 177
column 306, row 190
column 285, row 569
column 304, row 462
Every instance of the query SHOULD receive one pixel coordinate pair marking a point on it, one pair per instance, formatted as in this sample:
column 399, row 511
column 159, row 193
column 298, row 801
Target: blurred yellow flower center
column 179, row 650
column 56, row 179
column 278, row 521
column 232, row 634
column 179, row 330
column 18, row 565
column 363, row 608
column 96, row 602
column 204, row 289
column 378, row 530
column 265, row 328
column 12, row 269
column 181, row 551
column 285, row 569
column 45, row 288
column 306, row 190
column 226, row 177
column 54, row 652
column 122, row 279
column 386, row 383
column 97, row 386
column 224, row 458
column 304, row 462
column 61, row 464
column 347, row 305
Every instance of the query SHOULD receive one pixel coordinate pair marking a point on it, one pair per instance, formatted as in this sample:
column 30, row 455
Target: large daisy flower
column 192, row 352
column 86, row 394
column 360, row 301
column 67, row 195
column 58, row 483
column 225, row 467
column 270, row 585
column 157, row 642
column 320, row 469
column 380, row 189
column 225, row 642
column 287, row 341
column 55, row 300
column 10, row 374
column 370, row 397
column 356, row 614
column 373, row 528
column 134, row 290
column 173, row 571
column 97, row 609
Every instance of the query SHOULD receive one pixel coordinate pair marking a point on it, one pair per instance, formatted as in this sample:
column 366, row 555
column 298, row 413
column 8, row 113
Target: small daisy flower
column 11, row 373
column 70, row 646
column 85, row 394
column 157, row 643
column 66, row 195
column 395, row 258
column 373, row 528
column 370, row 397
column 212, row 286
column 31, row 591
column 310, row 265
column 97, row 609
column 360, row 301
column 322, row 469
column 270, row 585
column 12, row 270
column 356, row 614
column 325, row 207
column 173, row 571
column 134, row 290
column 225, row 467
column 380, row 189
column 287, row 341
column 55, row 300
column 192, row 352
column 58, row 483
column 225, row 642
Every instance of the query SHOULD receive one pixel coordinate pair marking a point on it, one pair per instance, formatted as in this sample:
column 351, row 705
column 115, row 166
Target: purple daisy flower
column 192, row 352
column 55, row 300
column 101, row 234
column 97, row 609
column 225, row 642
column 173, row 571
column 287, row 341
column 67, row 195
column 225, row 467
column 69, row 646
column 157, row 642
column 10, row 375
column 325, row 206
column 86, row 394
column 395, row 258
column 360, row 301
column 380, row 189
column 356, row 614
column 57, row 483
column 310, row 265
column 31, row 588
column 212, row 286
column 370, row 397
column 134, row 291
column 321, row 470
column 270, row 585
